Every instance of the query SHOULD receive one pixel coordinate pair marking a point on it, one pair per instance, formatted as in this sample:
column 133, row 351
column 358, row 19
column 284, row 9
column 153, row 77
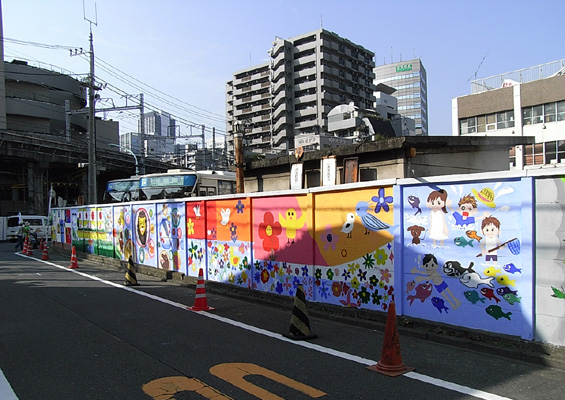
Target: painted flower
column 305, row 270
column 362, row 275
column 352, row 267
column 295, row 282
column 239, row 207
column 382, row 201
column 269, row 230
column 200, row 254
column 355, row 283
column 381, row 256
column 336, row 289
column 345, row 287
column 368, row 261
column 318, row 273
column 296, row 271
column 213, row 233
column 264, row 276
column 344, row 253
column 323, row 290
column 364, row 295
column 385, row 275
column 346, row 275
column 373, row 280
column 329, row 239
column 376, row 297
column 279, row 289
column 330, row 274
column 288, row 269
column 190, row 227
column 231, row 278
column 233, row 231
column 244, row 276
column 192, row 249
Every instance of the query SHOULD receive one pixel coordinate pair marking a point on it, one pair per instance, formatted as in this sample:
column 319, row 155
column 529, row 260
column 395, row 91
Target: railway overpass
column 30, row 163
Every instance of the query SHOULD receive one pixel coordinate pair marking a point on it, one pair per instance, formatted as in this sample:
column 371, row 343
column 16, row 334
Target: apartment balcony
column 309, row 98
column 304, row 86
column 306, row 59
column 305, row 113
column 305, row 72
column 306, row 46
column 305, row 124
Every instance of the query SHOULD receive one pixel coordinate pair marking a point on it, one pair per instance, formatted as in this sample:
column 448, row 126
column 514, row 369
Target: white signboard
column 328, row 171
column 296, row 176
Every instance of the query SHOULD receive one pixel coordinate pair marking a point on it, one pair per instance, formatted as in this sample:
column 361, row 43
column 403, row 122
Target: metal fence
column 521, row 76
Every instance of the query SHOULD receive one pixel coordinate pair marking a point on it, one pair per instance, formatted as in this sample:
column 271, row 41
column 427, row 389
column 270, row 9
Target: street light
column 130, row 152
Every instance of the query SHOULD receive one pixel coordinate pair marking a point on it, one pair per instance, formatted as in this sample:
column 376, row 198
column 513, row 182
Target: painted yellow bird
column 291, row 223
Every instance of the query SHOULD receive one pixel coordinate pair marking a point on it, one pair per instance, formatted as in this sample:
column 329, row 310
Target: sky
column 181, row 53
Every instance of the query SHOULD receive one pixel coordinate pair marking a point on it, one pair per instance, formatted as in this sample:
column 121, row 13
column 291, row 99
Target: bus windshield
column 122, row 190
column 168, row 186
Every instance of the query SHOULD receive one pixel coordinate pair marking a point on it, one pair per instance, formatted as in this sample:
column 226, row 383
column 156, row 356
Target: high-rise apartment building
column 159, row 124
column 292, row 94
column 410, row 81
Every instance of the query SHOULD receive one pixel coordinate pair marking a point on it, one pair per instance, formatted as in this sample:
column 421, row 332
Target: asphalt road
column 81, row 334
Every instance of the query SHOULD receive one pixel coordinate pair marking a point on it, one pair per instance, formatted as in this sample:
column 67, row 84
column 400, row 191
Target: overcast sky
column 180, row 54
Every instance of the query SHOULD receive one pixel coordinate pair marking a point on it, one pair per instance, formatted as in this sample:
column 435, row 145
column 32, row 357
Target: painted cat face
column 142, row 223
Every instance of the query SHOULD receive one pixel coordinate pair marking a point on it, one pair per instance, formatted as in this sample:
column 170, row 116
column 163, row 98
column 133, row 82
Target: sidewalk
column 492, row 344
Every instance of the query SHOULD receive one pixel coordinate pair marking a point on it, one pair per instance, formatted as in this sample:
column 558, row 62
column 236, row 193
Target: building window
column 485, row 123
column 549, row 112
column 505, row 119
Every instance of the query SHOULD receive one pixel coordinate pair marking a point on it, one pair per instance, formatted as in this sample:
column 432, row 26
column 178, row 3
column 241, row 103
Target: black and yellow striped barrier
column 299, row 322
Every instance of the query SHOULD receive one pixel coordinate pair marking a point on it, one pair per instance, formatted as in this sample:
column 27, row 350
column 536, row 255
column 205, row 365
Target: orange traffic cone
column 390, row 363
column 74, row 263
column 24, row 249
column 200, row 302
column 45, row 254
column 29, row 251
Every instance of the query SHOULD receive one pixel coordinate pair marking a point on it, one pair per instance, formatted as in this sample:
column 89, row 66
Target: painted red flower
column 264, row 276
column 269, row 230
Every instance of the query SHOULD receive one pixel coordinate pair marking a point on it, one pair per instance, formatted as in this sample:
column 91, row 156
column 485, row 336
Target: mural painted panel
column 195, row 238
column 144, row 234
column 354, row 252
column 104, row 241
column 171, row 241
column 122, row 232
column 282, row 245
column 463, row 259
column 229, row 241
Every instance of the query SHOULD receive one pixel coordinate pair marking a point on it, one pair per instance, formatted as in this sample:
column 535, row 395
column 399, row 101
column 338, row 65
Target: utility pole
column 213, row 148
column 238, row 150
column 203, row 148
column 92, row 186
column 141, row 137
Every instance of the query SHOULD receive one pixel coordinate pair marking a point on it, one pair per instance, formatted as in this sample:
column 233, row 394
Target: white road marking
column 336, row 353
column 6, row 392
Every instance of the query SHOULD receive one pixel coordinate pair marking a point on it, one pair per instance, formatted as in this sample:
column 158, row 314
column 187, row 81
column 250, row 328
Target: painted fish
column 511, row 298
column 454, row 268
column 410, row 286
column 439, row 304
column 462, row 242
column 473, row 296
column 415, row 203
column 492, row 271
column 503, row 290
column 504, row 280
column 473, row 280
column 473, row 235
column 511, row 268
column 423, row 291
column 489, row 294
column 496, row 312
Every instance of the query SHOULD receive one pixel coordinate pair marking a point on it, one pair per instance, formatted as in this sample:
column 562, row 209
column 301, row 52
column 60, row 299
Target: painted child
column 491, row 242
column 466, row 211
column 438, row 226
column 431, row 268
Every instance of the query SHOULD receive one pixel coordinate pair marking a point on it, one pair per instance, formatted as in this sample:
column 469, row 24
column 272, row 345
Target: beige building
column 528, row 102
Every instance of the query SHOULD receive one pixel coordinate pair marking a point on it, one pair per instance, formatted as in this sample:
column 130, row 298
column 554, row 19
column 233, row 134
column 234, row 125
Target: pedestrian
column 20, row 235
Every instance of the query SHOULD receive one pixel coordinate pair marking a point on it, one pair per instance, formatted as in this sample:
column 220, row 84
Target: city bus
column 173, row 184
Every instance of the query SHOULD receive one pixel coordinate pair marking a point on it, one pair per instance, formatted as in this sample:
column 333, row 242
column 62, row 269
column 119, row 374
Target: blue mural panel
column 144, row 222
column 463, row 258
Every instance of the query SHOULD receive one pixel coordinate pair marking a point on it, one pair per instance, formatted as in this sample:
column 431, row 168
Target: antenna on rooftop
column 479, row 67
column 95, row 22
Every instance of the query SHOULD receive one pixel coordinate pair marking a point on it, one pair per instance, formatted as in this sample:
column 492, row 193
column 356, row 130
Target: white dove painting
column 225, row 213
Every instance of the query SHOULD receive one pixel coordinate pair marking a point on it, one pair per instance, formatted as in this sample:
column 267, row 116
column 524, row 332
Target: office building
column 291, row 95
column 159, row 124
column 409, row 79
column 526, row 102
